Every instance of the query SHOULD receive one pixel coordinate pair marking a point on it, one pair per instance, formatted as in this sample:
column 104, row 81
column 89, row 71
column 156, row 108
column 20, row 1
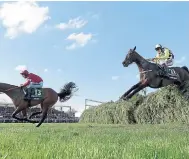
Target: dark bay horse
column 49, row 98
column 149, row 76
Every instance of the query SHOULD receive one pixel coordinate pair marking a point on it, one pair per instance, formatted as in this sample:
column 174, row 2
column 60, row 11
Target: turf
column 92, row 141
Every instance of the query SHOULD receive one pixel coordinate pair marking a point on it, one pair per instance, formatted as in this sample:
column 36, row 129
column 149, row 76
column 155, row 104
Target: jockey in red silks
column 33, row 81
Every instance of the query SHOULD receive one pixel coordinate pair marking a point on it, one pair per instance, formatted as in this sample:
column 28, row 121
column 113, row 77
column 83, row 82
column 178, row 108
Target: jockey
column 164, row 57
column 33, row 81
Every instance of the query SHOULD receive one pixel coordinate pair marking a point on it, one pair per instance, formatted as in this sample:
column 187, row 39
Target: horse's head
column 129, row 59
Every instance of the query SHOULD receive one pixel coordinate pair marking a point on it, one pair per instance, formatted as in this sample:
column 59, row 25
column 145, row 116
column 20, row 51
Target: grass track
column 91, row 141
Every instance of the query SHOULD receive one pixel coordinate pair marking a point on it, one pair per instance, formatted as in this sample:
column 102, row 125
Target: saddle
column 33, row 94
column 168, row 72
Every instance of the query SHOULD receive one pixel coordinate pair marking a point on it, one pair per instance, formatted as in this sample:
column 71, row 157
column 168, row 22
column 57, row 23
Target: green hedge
column 121, row 112
column 168, row 104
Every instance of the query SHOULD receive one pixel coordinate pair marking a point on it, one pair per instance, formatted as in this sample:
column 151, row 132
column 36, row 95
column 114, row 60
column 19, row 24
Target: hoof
column 37, row 125
column 125, row 98
column 122, row 99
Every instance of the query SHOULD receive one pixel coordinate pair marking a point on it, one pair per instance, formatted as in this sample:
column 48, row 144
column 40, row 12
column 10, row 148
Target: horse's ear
column 134, row 48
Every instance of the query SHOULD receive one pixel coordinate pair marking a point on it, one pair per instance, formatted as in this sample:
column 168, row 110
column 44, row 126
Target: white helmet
column 158, row 46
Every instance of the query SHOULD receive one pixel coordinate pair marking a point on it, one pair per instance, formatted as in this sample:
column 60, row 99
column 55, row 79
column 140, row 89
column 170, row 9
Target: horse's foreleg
column 139, row 88
column 18, row 110
column 130, row 90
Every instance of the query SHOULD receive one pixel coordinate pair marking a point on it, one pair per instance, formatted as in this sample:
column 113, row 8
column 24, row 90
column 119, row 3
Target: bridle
column 129, row 62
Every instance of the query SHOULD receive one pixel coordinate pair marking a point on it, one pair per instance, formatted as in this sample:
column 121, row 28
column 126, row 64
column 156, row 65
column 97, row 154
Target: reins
column 9, row 89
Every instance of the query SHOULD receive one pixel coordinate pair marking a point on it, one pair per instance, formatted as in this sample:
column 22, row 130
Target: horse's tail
column 185, row 68
column 67, row 91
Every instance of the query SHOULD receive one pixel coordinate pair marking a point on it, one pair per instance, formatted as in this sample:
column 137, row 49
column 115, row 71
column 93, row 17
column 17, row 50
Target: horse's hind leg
column 25, row 117
column 44, row 115
column 33, row 114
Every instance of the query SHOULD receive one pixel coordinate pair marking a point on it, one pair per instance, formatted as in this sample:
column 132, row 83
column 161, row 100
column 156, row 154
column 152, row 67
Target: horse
column 46, row 97
column 150, row 76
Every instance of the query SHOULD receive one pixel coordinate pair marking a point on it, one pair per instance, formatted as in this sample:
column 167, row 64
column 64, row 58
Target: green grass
column 91, row 141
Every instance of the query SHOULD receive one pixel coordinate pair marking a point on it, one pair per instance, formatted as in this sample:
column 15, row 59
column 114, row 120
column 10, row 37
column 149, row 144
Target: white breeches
column 35, row 85
column 168, row 62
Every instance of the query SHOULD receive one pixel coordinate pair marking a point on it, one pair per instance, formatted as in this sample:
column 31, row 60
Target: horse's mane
column 10, row 85
column 146, row 60
column 140, row 56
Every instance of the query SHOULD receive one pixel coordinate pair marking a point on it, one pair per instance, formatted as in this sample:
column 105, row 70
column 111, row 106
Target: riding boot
column 165, row 71
column 28, row 94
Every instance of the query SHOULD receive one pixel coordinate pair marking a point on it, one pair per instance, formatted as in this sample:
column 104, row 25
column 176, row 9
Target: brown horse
column 47, row 97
